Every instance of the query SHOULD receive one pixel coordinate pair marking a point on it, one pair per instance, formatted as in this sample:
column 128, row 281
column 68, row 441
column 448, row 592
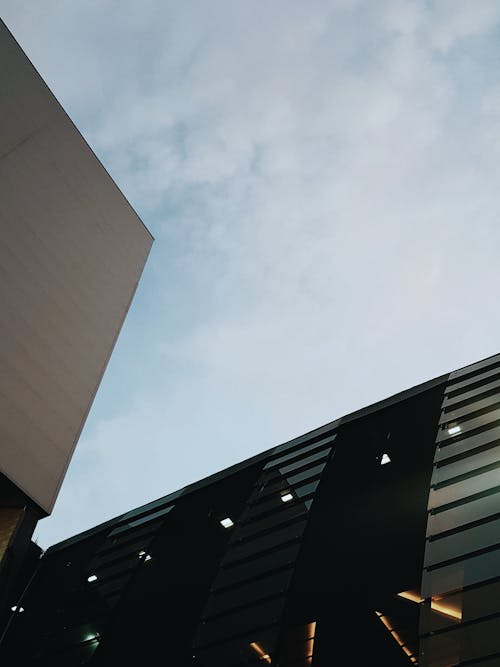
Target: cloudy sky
column 322, row 181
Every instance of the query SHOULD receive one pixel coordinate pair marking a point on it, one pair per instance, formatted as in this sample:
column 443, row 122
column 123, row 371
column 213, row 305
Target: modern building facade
column 72, row 252
column 371, row 540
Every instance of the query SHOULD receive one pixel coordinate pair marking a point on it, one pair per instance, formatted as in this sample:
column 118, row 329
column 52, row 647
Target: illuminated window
column 92, row 578
column 227, row 523
column 286, row 497
column 453, row 430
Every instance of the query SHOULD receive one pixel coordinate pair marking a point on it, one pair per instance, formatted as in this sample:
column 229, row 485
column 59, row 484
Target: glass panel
column 298, row 452
column 463, row 514
column 306, row 474
column 467, row 465
column 139, row 522
column 250, row 649
column 247, row 593
column 290, row 533
column 477, row 392
column 459, row 544
column 303, row 462
column 466, row 385
column 484, row 423
column 305, row 490
column 127, row 534
column 479, row 367
column 464, row 413
column 492, row 435
column 122, row 565
column 443, row 612
column 439, row 651
column 303, row 440
column 462, row 644
column 112, row 586
column 160, row 503
column 458, row 575
column 122, row 548
column 252, row 568
column 460, row 490
column 265, row 613
column 287, row 514
column 284, row 482
column 461, row 607
column 273, row 503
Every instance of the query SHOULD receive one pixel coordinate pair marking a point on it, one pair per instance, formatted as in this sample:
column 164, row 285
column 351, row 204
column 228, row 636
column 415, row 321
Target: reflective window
column 463, row 644
column 465, row 542
column 467, row 465
column 460, row 490
column 299, row 452
column 464, row 573
column 474, row 510
column 270, row 541
column 257, row 566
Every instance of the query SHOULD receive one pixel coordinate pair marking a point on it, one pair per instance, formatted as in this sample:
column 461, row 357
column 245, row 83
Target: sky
column 322, row 182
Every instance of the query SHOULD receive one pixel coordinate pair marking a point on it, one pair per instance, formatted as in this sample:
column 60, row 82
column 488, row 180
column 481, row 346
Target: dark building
column 72, row 252
column 371, row 540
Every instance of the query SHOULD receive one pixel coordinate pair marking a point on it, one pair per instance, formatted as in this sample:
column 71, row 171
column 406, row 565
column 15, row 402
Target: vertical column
column 460, row 612
column 241, row 622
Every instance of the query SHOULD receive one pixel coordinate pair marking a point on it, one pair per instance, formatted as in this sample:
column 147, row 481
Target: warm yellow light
column 311, row 630
column 452, row 612
column 393, row 632
column 260, row 652
column 411, row 595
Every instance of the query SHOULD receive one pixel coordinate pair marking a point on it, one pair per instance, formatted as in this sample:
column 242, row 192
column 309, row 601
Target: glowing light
column 92, row 578
column 227, row 522
column 395, row 635
column 453, row 430
column 260, row 652
column 452, row 612
column 309, row 645
column 142, row 553
column 411, row 595
column 148, row 557
column 286, row 497
column 311, row 630
column 18, row 609
column 436, row 605
column 385, row 459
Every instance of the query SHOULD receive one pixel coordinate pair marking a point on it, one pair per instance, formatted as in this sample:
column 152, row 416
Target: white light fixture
column 453, row 430
column 148, row 557
column 286, row 497
column 227, row 523
column 385, row 459
column 92, row 578
column 142, row 553
column 16, row 608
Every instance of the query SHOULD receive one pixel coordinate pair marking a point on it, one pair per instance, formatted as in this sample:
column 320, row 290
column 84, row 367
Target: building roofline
column 237, row 467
